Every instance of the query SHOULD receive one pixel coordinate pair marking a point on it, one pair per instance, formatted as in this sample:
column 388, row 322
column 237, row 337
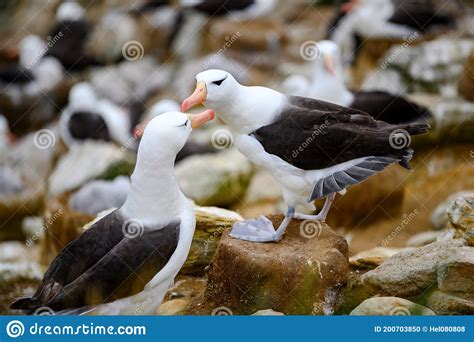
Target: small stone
column 373, row 257
column 407, row 273
column 456, row 272
column 390, row 306
column 461, row 217
column 439, row 218
column 14, row 251
column 10, row 273
column 219, row 179
column 451, row 303
column 173, row 307
column 268, row 312
column 87, row 161
column 423, row 238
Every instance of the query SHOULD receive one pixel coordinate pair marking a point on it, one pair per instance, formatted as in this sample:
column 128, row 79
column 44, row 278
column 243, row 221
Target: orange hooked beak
column 329, row 63
column 197, row 120
column 197, row 97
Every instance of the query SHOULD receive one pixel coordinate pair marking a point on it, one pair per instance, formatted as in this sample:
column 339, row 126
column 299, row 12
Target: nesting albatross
column 313, row 148
column 125, row 262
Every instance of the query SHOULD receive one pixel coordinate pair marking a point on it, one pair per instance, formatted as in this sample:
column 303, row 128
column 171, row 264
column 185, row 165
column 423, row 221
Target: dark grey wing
column 78, row 256
column 322, row 106
column 123, row 271
column 331, row 135
column 340, row 180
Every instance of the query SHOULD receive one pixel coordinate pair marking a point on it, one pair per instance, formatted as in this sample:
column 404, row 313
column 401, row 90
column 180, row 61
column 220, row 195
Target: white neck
column 154, row 192
column 329, row 88
column 250, row 108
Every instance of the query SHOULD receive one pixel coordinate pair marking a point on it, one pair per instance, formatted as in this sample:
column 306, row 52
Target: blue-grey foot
column 322, row 214
column 260, row 229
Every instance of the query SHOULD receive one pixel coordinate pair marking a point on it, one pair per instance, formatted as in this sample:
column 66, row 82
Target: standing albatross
column 125, row 262
column 313, row 148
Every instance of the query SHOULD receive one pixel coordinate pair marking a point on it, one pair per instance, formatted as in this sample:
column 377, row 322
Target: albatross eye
column 219, row 82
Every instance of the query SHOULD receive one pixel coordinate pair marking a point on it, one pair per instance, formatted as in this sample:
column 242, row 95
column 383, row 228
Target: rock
column 432, row 64
column 268, row 312
column 461, row 217
column 301, row 274
column 216, row 179
column 373, row 257
column 10, row 273
column 31, row 225
column 407, row 273
column 423, row 238
column 390, row 306
column 455, row 273
column 91, row 160
column 439, row 218
column 451, row 303
column 173, row 307
column 210, row 223
column 14, row 252
column 183, row 296
column 384, row 80
column 100, row 195
column 466, row 83
column 353, row 293
column 454, row 120
column 263, row 188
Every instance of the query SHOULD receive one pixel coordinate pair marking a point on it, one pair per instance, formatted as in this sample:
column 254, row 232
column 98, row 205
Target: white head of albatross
column 125, row 262
column 242, row 108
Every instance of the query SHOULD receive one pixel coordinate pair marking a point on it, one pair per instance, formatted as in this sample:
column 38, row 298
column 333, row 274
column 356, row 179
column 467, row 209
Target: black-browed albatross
column 313, row 148
column 136, row 250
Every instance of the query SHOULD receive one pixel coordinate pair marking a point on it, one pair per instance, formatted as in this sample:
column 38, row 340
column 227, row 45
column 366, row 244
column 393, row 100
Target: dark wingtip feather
column 418, row 128
column 23, row 303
